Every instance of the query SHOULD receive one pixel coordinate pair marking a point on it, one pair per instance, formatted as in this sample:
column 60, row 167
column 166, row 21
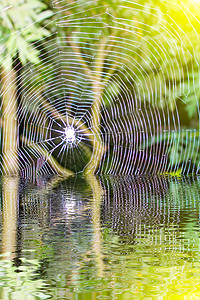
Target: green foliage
column 165, row 67
column 148, row 46
column 185, row 149
column 21, row 282
column 21, row 24
column 181, row 147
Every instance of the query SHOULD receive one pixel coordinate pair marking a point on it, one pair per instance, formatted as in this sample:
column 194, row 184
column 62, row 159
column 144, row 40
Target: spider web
column 106, row 96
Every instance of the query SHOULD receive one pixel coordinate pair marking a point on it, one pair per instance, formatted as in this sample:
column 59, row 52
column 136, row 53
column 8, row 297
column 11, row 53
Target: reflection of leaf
column 21, row 283
column 41, row 295
column 109, row 236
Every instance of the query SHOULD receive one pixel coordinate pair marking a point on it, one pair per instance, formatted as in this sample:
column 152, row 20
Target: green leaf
column 23, row 49
column 6, row 20
column 26, row 51
column 33, row 33
column 11, row 45
column 44, row 15
column 34, row 4
column 33, row 56
column 7, row 62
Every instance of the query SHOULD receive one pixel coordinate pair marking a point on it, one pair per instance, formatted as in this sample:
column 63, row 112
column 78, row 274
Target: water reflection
column 110, row 237
column 10, row 196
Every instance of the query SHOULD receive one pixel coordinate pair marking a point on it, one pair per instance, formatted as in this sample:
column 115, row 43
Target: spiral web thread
column 104, row 98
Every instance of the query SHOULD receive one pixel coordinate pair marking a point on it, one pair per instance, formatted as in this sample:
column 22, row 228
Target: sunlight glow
column 195, row 1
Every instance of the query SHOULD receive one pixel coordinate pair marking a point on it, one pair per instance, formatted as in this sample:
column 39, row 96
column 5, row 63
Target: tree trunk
column 9, row 121
column 98, row 147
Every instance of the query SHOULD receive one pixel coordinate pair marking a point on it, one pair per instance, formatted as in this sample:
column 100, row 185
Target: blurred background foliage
column 161, row 37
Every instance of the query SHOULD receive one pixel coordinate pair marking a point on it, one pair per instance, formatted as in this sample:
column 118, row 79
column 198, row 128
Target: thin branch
column 53, row 162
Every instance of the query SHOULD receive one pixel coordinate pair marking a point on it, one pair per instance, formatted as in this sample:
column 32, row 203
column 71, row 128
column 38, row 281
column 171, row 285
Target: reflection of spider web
column 139, row 208
column 108, row 93
column 55, row 201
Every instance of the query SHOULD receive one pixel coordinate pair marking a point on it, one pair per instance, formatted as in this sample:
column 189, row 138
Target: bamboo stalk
column 96, row 111
column 9, row 121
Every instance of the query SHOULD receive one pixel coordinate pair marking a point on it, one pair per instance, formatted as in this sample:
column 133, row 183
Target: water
column 100, row 238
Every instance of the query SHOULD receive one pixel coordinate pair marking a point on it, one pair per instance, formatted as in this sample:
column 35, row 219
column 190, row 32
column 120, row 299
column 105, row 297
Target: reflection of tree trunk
column 97, row 239
column 9, row 117
column 10, row 211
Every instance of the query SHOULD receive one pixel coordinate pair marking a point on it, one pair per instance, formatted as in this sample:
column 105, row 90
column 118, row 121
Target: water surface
column 100, row 238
